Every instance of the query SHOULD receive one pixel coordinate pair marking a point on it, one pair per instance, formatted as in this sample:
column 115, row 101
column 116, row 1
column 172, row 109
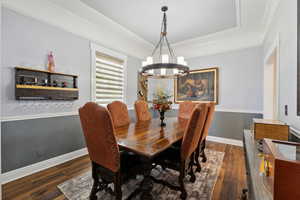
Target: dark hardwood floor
column 42, row 185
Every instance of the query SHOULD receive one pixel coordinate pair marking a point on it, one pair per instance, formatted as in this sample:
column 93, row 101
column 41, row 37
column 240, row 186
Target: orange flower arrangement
column 162, row 103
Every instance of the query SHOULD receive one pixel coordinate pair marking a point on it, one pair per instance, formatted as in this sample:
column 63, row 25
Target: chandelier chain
column 169, row 67
column 163, row 38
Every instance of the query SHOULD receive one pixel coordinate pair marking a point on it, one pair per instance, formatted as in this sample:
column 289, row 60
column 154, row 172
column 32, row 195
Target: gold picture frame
column 200, row 86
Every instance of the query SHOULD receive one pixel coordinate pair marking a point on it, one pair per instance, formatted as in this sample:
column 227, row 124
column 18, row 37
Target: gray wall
column 26, row 41
column 50, row 137
column 25, row 142
column 284, row 26
column 240, row 78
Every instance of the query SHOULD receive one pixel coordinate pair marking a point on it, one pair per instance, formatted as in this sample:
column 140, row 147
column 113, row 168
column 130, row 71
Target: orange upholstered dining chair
column 141, row 110
column 208, row 122
column 107, row 162
column 202, row 142
column 185, row 109
column 119, row 113
column 181, row 159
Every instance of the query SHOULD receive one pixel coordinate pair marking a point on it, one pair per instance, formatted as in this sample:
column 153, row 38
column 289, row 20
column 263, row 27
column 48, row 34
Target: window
column 108, row 76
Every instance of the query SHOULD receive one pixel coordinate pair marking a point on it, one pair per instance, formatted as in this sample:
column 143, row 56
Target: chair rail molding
column 62, row 114
column 37, row 116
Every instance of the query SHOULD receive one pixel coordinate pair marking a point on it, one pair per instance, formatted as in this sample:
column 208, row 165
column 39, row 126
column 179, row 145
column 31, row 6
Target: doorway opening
column 271, row 84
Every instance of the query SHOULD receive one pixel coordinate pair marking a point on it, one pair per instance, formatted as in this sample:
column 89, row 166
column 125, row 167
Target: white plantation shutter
column 108, row 78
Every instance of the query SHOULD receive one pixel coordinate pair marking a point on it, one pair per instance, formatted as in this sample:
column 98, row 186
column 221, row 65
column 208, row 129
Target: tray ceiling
column 186, row 19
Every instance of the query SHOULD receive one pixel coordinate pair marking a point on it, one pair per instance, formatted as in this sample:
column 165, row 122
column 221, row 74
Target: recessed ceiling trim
column 270, row 11
column 238, row 13
column 188, row 20
column 219, row 33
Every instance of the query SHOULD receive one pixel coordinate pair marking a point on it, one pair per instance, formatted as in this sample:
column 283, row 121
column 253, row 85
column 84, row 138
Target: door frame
column 275, row 47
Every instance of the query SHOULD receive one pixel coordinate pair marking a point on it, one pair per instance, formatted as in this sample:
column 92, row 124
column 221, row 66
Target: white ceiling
column 250, row 17
column 187, row 19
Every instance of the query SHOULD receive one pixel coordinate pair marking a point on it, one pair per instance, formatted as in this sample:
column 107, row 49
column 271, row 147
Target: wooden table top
column 148, row 138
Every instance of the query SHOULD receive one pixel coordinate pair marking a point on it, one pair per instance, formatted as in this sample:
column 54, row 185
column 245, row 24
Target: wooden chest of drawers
column 280, row 169
column 271, row 129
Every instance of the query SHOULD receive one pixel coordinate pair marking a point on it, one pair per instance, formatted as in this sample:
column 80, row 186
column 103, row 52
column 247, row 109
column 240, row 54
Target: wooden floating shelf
column 34, row 84
column 45, row 87
column 44, row 71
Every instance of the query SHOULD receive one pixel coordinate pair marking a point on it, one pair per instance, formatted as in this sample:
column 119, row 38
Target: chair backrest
column 99, row 135
column 141, row 110
column 185, row 109
column 119, row 113
column 193, row 131
column 208, row 121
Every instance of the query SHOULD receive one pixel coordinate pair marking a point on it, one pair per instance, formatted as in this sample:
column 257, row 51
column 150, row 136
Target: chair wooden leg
column 191, row 168
column 117, row 186
column 96, row 184
column 196, row 158
column 203, row 145
column 183, row 194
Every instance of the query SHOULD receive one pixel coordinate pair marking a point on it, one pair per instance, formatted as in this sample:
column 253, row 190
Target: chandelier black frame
column 179, row 69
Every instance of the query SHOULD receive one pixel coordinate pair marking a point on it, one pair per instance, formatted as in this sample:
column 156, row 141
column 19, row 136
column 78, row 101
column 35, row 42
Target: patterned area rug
column 79, row 188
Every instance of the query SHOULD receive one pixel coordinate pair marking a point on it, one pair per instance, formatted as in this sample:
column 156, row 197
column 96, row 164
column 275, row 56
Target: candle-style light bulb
column 165, row 58
column 144, row 63
column 149, row 60
column 180, row 60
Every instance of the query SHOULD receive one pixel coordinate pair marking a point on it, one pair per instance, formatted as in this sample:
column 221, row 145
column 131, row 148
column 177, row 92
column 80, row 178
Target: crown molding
column 80, row 19
column 81, row 9
column 87, row 23
column 231, row 41
column 269, row 14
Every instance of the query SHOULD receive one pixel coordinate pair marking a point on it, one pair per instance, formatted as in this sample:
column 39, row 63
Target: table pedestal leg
column 147, row 183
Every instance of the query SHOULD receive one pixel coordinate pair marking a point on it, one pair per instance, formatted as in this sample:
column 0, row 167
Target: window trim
column 94, row 48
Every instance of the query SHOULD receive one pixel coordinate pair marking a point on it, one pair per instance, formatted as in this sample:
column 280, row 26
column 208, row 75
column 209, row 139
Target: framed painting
column 199, row 86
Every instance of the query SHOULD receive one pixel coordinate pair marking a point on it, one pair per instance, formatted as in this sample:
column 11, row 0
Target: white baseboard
column 225, row 141
column 295, row 132
column 31, row 169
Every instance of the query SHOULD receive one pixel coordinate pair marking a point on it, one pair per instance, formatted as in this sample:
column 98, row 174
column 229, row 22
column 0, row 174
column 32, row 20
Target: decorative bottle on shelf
column 51, row 64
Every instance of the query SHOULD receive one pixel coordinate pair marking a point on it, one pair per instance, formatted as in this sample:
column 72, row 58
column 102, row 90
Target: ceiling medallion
column 163, row 63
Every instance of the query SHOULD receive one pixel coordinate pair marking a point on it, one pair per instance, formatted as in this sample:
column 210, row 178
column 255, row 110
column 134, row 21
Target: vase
column 162, row 118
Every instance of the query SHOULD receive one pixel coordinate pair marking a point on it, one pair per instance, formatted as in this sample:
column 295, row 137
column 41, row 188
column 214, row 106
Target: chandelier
column 163, row 63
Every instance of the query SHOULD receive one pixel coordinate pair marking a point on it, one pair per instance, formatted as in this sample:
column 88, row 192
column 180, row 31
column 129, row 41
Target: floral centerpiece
column 162, row 103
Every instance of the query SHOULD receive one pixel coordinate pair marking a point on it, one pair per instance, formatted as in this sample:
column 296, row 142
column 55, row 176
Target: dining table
column 148, row 139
